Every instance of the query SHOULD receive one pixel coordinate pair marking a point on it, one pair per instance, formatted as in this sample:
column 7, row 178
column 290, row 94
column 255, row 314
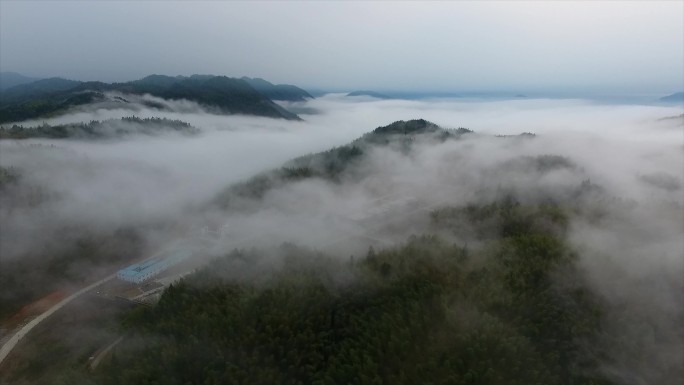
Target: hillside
column 53, row 96
column 11, row 79
column 285, row 92
column 427, row 309
column 490, row 289
column 372, row 94
column 492, row 313
column 230, row 95
column 108, row 129
column 38, row 87
column 332, row 164
column 677, row 97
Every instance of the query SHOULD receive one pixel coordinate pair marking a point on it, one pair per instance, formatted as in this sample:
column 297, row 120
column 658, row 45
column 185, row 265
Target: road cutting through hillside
column 6, row 349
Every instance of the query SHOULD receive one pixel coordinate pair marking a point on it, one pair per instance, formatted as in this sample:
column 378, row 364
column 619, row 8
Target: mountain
column 230, row 95
column 41, row 98
column 332, row 164
column 11, row 79
column 372, row 94
column 480, row 306
column 272, row 91
column 677, row 97
column 223, row 94
column 38, row 88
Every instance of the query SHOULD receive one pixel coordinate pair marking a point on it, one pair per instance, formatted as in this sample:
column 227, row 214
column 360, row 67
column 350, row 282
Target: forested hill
column 345, row 163
column 11, row 79
column 272, row 91
column 332, row 164
column 35, row 91
column 372, row 94
column 677, row 97
column 219, row 93
column 107, row 129
column 485, row 291
column 425, row 312
column 408, row 127
column 511, row 308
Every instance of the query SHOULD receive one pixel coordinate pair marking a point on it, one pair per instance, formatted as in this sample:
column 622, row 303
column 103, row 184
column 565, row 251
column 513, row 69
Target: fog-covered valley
column 76, row 209
column 124, row 181
column 361, row 193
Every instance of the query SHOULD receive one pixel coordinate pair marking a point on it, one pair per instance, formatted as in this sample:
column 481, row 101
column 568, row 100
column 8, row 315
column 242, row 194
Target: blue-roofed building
column 141, row 272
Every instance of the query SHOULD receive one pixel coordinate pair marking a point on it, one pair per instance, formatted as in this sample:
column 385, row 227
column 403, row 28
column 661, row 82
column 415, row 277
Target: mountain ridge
column 372, row 94
column 10, row 79
column 55, row 95
column 284, row 92
column 677, row 97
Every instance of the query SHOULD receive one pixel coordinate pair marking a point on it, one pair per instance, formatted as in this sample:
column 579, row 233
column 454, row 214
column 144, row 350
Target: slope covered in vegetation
column 111, row 128
column 425, row 311
column 272, row 91
column 53, row 96
column 332, row 164
column 507, row 305
column 487, row 289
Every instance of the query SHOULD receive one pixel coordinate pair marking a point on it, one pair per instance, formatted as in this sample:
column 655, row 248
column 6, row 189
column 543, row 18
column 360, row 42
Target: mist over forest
column 342, row 193
column 554, row 225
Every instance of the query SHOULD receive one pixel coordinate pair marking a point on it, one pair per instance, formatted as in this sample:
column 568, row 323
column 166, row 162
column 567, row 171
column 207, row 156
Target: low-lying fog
column 621, row 147
column 634, row 257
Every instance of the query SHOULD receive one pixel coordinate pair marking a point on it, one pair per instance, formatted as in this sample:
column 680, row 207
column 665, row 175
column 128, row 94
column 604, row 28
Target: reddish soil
column 35, row 308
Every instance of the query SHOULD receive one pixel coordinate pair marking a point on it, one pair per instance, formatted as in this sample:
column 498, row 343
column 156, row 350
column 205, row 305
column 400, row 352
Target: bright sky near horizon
column 635, row 46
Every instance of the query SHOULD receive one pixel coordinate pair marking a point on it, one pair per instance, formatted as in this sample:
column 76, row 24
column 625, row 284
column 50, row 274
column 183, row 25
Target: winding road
column 7, row 348
column 14, row 340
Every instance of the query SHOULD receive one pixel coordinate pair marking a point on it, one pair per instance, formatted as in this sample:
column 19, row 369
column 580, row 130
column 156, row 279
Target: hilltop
column 285, row 92
column 426, row 308
column 332, row 164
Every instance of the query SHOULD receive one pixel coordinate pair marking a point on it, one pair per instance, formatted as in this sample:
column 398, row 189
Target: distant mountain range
column 11, row 79
column 369, row 93
column 286, row 92
column 677, row 97
column 228, row 95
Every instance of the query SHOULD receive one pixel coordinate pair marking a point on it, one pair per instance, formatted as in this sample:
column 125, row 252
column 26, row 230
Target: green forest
column 489, row 292
column 111, row 128
column 513, row 310
column 340, row 162
column 54, row 96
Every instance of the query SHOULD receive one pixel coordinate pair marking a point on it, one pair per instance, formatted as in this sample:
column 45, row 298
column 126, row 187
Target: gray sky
column 635, row 46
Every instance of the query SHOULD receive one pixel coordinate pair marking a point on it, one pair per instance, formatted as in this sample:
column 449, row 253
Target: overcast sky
column 634, row 46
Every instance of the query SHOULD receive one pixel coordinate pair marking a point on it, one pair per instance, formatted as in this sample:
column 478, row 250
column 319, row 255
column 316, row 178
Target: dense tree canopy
column 48, row 97
column 111, row 128
column 514, row 311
